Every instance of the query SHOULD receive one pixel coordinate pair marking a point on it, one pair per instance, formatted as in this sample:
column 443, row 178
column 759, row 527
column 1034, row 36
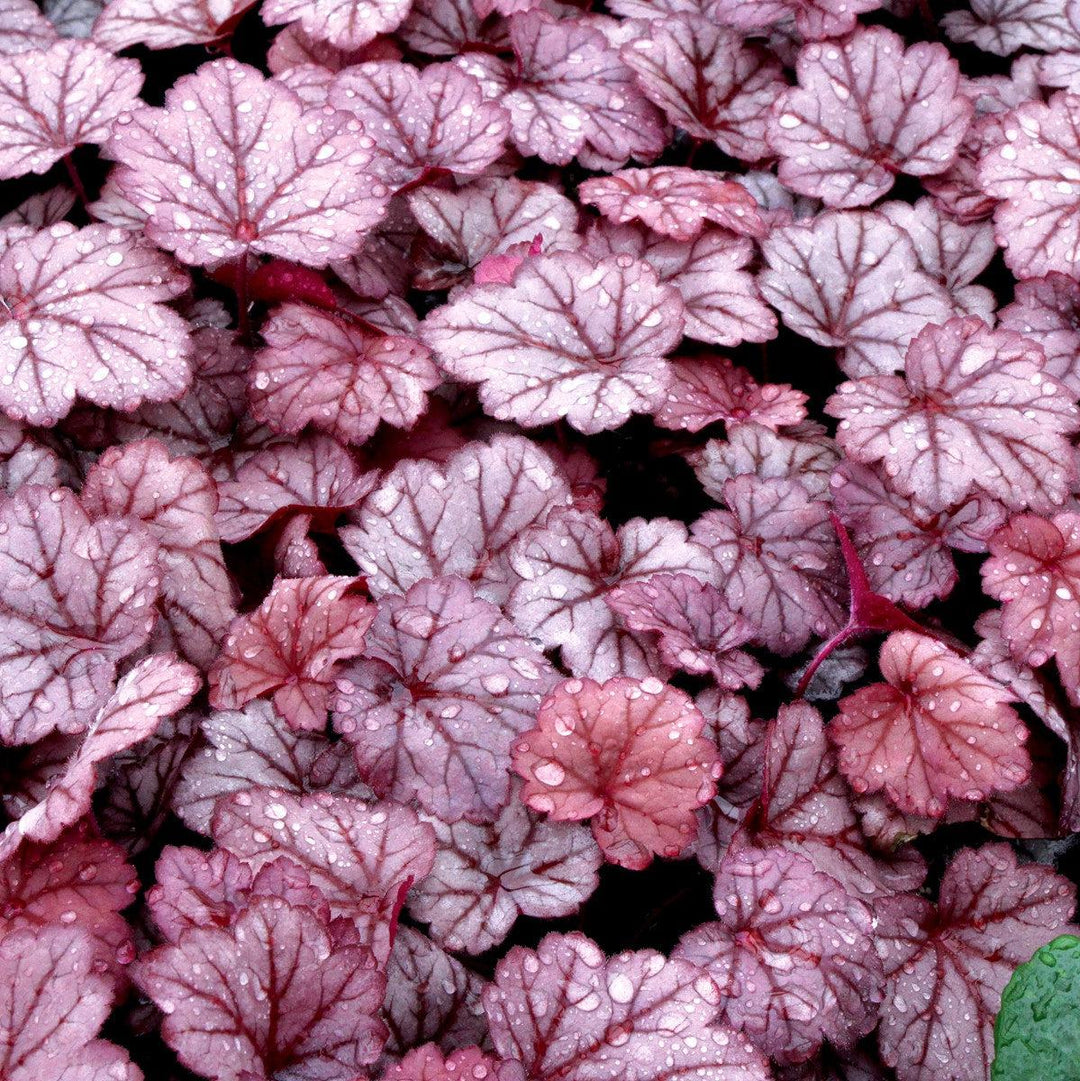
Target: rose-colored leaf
column 41, row 210
column 1037, row 220
column 706, row 389
column 806, row 807
column 488, row 217
column 166, row 24
column 640, row 787
column 427, row 1063
column 778, row 560
column 177, row 499
column 974, row 412
column 905, row 548
column 54, row 1000
column 23, row 28
column 936, row 729
column 290, row 646
column 814, row 19
column 346, row 24
column 607, row 327
column 358, row 855
column 1034, row 570
column 430, row 996
column 54, row 101
column 708, row 81
column 674, row 201
column 445, row 686
column 792, row 954
column 273, row 992
column 804, row 453
column 864, row 111
column 627, row 1029
column 574, row 95
column 721, row 299
column 852, row 281
column 304, row 193
column 315, row 474
column 322, row 370
column 697, row 633
column 1003, row 26
column 1047, row 311
column 154, row 689
column 947, row 965
column 437, row 119
column 255, row 748
column 567, row 567
column 76, row 880
column 429, row 521
column 76, row 598
column 486, row 876
column 84, row 316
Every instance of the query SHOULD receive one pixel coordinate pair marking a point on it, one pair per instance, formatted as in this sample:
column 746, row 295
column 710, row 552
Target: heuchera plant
column 539, row 539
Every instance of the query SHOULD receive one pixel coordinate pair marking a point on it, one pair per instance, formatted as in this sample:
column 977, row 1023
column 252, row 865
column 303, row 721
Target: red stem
column 243, row 320
column 76, row 180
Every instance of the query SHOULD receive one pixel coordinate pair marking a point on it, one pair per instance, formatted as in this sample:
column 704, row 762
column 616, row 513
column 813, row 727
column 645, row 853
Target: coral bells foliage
column 538, row 541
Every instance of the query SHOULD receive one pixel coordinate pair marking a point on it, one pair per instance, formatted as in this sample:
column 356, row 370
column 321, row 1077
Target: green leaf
column 1037, row 1032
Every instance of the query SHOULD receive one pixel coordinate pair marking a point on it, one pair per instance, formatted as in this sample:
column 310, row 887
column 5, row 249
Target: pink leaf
column 777, row 557
column 290, row 646
column 56, row 965
column 357, row 855
column 345, row 24
column 430, row 521
column 76, row 880
column 76, row 598
column 721, row 299
column 707, row 389
column 315, row 474
column 674, row 201
column 708, row 81
column 651, row 771
column 322, row 370
column 486, row 876
column 272, row 992
column 567, row 567
column 176, row 499
column 1047, row 312
column 428, row 1064
column 852, row 281
column 608, row 326
column 445, row 686
column 166, row 24
column 1003, row 26
column 488, row 217
column 792, row 954
column 814, row 19
column 865, row 111
column 697, row 632
column 255, row 748
column 52, row 102
column 806, row 808
column 155, row 688
column 946, row 967
column 1037, row 220
column 951, row 251
column 573, row 94
column 41, row 210
column 1034, row 570
column 293, row 48
column 23, row 28
column 804, row 454
column 434, row 120
column 85, row 316
column 904, row 547
column 973, row 412
column 431, row 996
column 535, row 1007
column 309, row 199
column 937, row 728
